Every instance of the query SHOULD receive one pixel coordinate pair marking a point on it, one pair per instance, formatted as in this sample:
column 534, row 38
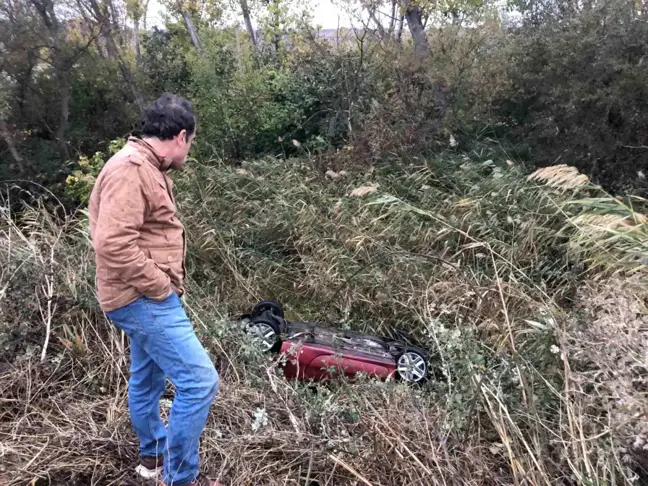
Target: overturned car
column 315, row 351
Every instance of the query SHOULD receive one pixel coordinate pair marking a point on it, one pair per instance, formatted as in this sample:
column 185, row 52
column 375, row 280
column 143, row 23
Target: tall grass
column 536, row 329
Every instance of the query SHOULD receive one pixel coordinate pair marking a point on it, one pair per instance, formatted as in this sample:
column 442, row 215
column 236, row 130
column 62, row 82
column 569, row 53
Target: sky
column 328, row 15
column 325, row 13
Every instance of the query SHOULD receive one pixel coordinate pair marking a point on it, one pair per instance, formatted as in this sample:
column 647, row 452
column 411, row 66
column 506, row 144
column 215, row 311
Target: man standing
column 140, row 252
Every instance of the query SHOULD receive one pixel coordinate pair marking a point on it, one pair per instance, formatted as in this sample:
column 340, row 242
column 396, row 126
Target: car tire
column 268, row 332
column 272, row 306
column 412, row 366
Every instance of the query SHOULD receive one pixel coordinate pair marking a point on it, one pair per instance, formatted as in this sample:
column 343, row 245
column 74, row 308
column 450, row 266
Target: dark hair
column 167, row 116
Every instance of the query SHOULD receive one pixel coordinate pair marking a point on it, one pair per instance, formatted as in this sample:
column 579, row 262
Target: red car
column 316, row 352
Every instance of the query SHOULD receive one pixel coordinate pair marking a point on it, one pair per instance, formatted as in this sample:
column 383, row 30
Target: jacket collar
column 162, row 163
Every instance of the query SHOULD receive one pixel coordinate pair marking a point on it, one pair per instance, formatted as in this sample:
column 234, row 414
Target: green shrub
column 577, row 88
column 80, row 182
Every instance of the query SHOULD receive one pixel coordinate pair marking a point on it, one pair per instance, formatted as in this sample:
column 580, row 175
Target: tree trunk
column 61, row 67
column 6, row 135
column 276, row 34
column 399, row 31
column 63, row 78
column 130, row 81
column 392, row 21
column 379, row 25
column 145, row 15
column 248, row 22
column 416, row 28
column 114, row 20
column 193, row 33
column 138, row 52
column 113, row 53
column 23, row 82
column 103, row 18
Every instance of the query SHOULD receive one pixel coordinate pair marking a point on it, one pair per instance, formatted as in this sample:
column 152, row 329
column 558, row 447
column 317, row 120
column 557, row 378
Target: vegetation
column 474, row 181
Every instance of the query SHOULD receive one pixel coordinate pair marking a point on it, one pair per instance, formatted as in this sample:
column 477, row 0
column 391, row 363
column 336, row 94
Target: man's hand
column 166, row 296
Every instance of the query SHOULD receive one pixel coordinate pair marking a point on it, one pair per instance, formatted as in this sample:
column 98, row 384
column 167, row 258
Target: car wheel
column 266, row 333
column 412, row 366
column 271, row 306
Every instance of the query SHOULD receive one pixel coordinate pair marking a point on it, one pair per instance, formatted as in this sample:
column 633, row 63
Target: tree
column 413, row 14
column 185, row 8
column 245, row 9
column 5, row 131
column 136, row 10
column 18, row 41
column 60, row 57
column 387, row 18
column 102, row 14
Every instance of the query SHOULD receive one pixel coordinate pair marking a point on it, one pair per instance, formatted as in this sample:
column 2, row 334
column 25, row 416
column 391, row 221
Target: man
column 140, row 252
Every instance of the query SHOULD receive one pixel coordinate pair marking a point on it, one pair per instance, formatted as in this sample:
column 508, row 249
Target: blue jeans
column 163, row 344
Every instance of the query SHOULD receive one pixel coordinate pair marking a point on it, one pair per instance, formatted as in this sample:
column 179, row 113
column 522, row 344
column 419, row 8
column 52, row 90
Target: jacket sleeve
column 121, row 214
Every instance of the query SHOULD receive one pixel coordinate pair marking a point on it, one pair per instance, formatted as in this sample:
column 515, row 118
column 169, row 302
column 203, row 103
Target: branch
column 372, row 15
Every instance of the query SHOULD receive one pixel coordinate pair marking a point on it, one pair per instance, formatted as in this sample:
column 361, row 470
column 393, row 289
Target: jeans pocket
column 168, row 302
column 132, row 318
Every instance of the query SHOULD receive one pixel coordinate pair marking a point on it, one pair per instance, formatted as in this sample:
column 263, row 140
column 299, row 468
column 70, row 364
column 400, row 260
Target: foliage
column 563, row 86
column 163, row 70
column 101, row 112
column 577, row 86
column 80, row 182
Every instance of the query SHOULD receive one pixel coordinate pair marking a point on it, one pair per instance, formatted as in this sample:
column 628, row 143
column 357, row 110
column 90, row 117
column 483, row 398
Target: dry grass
column 608, row 233
column 89, row 441
column 560, row 176
column 532, row 393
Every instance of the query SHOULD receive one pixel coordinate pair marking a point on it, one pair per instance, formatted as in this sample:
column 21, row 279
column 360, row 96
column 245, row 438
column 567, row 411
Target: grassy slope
column 542, row 361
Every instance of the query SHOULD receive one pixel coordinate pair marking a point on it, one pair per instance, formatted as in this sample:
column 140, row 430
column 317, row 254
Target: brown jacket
column 138, row 240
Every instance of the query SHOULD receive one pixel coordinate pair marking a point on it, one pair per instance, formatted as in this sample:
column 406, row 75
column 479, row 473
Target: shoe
column 150, row 467
column 202, row 482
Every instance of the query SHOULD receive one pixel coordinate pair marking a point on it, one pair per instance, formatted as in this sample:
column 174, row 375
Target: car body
column 314, row 351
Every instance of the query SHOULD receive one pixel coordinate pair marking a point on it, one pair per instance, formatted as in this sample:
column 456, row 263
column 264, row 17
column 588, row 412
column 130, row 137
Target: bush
column 480, row 264
column 80, row 182
column 577, row 89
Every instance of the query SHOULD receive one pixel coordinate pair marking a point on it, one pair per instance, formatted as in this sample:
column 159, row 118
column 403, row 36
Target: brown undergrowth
column 539, row 341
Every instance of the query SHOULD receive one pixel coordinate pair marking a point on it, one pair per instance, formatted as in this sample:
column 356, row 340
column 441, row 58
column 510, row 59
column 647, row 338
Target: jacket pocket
column 167, row 258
